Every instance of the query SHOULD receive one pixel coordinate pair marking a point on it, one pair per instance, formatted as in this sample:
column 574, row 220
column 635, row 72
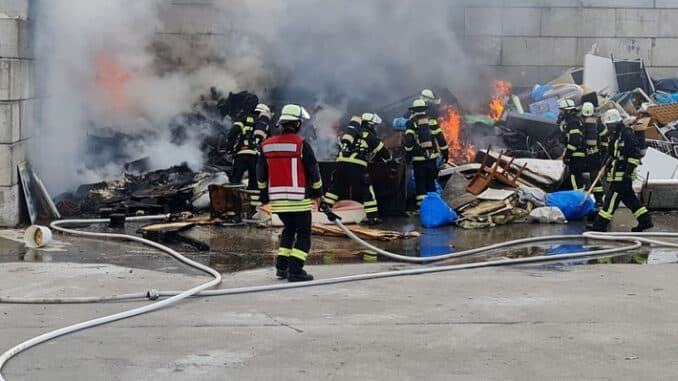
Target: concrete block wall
column 17, row 103
column 530, row 41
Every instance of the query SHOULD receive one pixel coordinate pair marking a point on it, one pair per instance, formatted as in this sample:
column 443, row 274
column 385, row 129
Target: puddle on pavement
column 248, row 247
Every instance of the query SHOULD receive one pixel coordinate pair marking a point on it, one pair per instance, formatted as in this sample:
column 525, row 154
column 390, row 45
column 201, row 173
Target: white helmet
column 418, row 104
column 587, row 109
column 371, row 118
column 429, row 97
column 612, row 117
column 262, row 109
column 566, row 104
column 293, row 113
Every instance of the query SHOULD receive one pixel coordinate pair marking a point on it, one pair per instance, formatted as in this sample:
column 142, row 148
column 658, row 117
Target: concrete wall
column 17, row 106
column 532, row 41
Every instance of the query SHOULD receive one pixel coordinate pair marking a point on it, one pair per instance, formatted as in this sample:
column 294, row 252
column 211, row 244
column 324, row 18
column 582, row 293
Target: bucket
column 37, row 236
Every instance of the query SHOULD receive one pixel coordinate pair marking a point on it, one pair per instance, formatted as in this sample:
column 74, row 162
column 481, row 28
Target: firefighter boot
column 296, row 271
column 644, row 223
column 600, row 225
column 371, row 220
column 281, row 266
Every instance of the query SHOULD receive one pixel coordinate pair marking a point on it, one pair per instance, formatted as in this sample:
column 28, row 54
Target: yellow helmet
column 566, row 104
column 293, row 113
column 418, row 104
column 371, row 118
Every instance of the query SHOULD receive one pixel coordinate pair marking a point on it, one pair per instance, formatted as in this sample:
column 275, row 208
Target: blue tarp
column 664, row 99
column 568, row 202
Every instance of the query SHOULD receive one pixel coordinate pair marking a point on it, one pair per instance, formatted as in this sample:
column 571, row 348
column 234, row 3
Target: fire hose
column 635, row 241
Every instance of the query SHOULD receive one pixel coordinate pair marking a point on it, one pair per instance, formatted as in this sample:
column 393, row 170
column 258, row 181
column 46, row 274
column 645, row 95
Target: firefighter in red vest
column 288, row 176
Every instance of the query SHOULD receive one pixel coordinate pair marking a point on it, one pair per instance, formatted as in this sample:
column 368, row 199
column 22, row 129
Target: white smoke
column 368, row 53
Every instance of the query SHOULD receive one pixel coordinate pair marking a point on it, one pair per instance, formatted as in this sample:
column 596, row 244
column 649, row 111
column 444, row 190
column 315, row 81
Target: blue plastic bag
column 400, row 124
column 538, row 92
column 435, row 213
column 568, row 203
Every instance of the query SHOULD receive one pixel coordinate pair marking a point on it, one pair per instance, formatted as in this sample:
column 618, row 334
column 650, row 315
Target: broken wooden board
column 362, row 232
column 170, row 226
column 485, row 208
column 664, row 114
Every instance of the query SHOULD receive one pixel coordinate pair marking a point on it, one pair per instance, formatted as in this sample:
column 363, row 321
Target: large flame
column 502, row 90
column 451, row 124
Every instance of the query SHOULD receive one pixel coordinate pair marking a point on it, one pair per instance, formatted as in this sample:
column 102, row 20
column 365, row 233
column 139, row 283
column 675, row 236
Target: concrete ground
column 597, row 322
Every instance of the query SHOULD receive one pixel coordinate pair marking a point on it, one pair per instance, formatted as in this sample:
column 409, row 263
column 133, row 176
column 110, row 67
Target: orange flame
column 502, row 90
column 451, row 124
column 112, row 78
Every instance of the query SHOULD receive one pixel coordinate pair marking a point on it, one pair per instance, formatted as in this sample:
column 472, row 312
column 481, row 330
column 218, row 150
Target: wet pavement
column 241, row 248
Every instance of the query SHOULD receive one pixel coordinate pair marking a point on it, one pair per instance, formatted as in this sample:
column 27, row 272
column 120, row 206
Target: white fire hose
column 635, row 241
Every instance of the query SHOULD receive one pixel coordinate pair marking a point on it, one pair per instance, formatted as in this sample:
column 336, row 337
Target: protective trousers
column 352, row 181
column 247, row 163
column 594, row 166
column 296, row 235
column 425, row 175
column 577, row 169
column 621, row 191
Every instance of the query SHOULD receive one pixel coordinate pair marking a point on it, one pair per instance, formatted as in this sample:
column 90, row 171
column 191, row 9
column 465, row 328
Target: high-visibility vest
column 286, row 174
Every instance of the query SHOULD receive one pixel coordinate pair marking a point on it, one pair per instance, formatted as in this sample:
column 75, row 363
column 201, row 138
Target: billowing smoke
column 127, row 67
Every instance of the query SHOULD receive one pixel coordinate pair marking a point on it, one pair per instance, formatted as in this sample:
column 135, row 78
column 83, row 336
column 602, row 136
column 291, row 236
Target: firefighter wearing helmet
column 595, row 136
column 424, row 145
column 574, row 157
column 359, row 144
column 288, row 176
column 244, row 143
column 625, row 154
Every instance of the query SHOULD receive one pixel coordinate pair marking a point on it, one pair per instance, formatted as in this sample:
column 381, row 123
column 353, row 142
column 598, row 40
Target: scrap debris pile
column 519, row 182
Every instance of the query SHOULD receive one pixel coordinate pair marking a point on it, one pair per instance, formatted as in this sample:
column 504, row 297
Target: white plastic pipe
column 125, row 314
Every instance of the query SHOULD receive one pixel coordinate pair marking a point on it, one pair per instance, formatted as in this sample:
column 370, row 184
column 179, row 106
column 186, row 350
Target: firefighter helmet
column 612, row 117
column 262, row 109
column 418, row 104
column 566, row 104
column 429, row 96
column 587, row 109
column 293, row 113
column 371, row 118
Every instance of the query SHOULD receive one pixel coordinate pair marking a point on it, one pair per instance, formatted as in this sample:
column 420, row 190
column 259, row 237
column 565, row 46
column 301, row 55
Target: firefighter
column 573, row 136
column 288, row 176
column 595, row 137
column 433, row 104
column 243, row 141
column 625, row 155
column 358, row 145
column 424, row 145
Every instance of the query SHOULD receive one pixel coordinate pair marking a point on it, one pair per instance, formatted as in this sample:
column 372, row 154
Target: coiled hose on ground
column 634, row 241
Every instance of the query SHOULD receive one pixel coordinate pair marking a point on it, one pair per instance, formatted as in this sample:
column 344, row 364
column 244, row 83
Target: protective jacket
column 625, row 152
column 573, row 136
column 422, row 141
column 359, row 144
column 245, row 136
column 288, row 173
